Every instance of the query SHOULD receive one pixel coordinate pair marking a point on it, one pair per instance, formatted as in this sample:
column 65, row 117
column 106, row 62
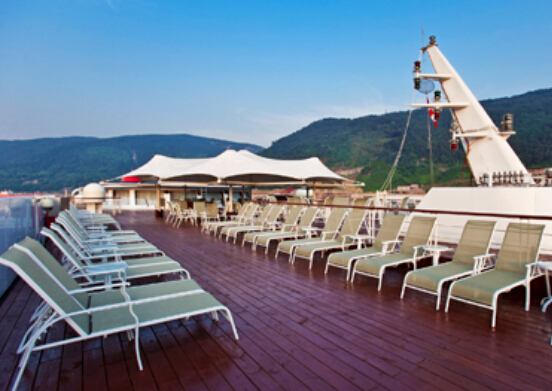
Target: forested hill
column 371, row 143
column 50, row 164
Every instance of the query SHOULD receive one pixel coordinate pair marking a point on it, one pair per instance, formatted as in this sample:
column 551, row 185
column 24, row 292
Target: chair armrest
column 482, row 262
column 533, row 271
column 387, row 243
column 325, row 234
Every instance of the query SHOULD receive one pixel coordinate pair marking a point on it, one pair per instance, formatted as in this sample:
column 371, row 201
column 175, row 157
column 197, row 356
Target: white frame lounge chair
column 384, row 243
column 233, row 231
column 307, row 219
column 351, row 226
column 471, row 257
column 107, row 250
column 268, row 223
column 328, row 233
column 84, row 267
column 103, row 313
column 516, row 265
column 290, row 223
column 417, row 235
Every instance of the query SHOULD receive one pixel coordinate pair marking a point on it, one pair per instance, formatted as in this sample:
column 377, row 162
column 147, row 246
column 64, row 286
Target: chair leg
column 137, row 349
column 403, row 287
column 527, row 295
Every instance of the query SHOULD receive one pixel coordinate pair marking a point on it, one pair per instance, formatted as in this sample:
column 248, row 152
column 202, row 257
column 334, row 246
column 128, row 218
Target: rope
column 389, row 180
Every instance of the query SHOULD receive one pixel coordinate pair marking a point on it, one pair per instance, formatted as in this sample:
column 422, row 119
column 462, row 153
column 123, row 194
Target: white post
column 132, row 197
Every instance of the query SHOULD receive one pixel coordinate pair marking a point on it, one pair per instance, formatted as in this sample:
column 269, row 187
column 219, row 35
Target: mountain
column 371, row 143
column 50, row 164
column 367, row 145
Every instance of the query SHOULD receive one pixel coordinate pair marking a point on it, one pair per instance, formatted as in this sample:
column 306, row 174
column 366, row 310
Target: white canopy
column 241, row 167
column 161, row 166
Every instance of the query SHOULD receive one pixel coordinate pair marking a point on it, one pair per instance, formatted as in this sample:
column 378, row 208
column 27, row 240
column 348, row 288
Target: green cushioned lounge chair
column 471, row 256
column 105, row 249
column 260, row 225
column 93, row 219
column 96, row 229
column 66, row 219
column 329, row 233
column 92, row 315
column 515, row 266
column 384, row 243
column 247, row 217
column 85, row 267
column 288, row 225
column 298, row 232
column 213, row 226
column 351, row 226
column 417, row 236
column 268, row 217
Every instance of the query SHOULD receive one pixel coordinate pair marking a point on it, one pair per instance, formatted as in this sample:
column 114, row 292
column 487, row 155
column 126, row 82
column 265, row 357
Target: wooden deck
column 299, row 330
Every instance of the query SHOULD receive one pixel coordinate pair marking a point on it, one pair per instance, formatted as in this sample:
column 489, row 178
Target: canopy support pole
column 231, row 198
column 158, row 196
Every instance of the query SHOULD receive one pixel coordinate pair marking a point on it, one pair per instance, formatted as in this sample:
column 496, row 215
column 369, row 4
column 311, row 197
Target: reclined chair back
column 475, row 240
column 418, row 233
column 520, row 247
column 389, row 230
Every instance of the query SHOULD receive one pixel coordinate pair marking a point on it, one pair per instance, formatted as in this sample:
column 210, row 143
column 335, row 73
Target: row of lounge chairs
column 90, row 289
column 478, row 277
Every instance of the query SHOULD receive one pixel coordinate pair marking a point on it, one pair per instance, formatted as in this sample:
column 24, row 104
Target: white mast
column 492, row 160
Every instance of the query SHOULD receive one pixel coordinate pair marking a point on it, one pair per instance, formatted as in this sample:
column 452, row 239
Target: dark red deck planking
column 299, row 330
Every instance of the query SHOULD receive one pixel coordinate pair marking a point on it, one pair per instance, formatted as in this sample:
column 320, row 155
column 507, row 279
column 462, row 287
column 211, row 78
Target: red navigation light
column 453, row 145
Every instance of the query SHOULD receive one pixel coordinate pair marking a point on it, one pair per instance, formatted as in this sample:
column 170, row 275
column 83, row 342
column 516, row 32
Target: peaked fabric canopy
column 241, row 167
column 161, row 166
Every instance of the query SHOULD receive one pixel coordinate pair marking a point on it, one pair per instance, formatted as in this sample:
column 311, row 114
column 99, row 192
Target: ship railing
column 451, row 223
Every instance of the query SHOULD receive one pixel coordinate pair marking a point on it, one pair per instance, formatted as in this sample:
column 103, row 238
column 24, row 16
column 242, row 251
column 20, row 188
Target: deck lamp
column 417, row 83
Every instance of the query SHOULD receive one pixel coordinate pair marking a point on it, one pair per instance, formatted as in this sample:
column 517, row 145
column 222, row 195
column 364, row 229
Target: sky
column 248, row 71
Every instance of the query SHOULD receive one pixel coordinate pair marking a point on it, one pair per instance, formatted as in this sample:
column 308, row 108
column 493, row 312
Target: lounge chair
column 287, row 226
column 351, row 226
column 248, row 218
column 196, row 212
column 99, row 230
column 85, row 267
column 298, row 232
column 86, row 236
column 328, row 234
column 100, row 243
column 171, row 211
column 181, row 213
column 264, row 217
column 384, row 243
column 103, row 313
column 89, row 218
column 211, row 212
column 417, row 236
column 471, row 256
column 515, row 266
column 246, row 211
column 105, row 249
column 260, row 225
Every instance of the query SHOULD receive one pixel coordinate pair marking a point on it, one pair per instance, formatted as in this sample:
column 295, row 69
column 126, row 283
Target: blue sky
column 248, row 71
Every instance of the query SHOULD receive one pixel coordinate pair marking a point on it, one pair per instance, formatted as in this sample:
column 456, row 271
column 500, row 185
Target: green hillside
column 372, row 142
column 368, row 142
column 50, row 164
